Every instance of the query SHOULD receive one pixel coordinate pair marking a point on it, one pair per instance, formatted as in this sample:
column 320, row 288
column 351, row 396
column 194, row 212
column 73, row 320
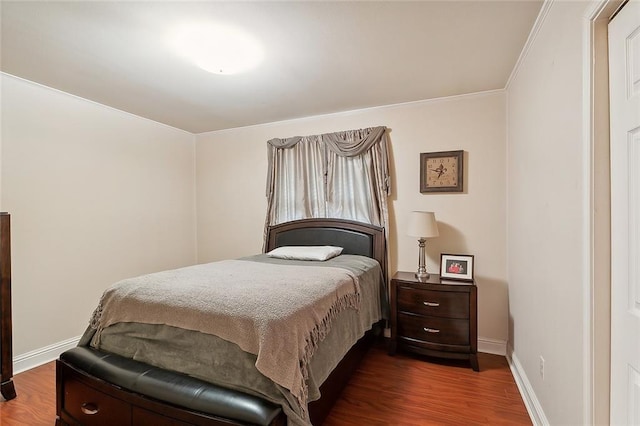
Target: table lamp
column 422, row 225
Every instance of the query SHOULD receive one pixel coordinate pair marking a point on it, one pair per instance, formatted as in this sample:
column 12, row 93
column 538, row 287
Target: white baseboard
column 41, row 356
column 529, row 398
column 492, row 346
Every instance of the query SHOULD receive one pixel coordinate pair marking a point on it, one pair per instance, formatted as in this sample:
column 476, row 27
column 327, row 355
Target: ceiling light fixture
column 219, row 49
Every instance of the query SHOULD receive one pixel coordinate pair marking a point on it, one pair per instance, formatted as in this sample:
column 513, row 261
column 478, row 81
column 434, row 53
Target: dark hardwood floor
column 36, row 400
column 400, row 390
column 405, row 390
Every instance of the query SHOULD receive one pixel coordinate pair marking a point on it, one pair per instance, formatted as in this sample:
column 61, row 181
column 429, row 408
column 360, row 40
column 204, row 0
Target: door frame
column 597, row 208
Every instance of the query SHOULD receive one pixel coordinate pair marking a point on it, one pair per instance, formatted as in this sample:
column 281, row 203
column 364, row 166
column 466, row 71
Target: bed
column 126, row 373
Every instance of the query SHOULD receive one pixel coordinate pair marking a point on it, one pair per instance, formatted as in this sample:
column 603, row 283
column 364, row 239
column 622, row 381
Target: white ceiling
column 320, row 57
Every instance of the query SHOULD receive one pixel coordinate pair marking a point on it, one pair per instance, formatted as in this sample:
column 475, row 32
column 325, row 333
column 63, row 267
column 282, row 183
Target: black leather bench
column 162, row 385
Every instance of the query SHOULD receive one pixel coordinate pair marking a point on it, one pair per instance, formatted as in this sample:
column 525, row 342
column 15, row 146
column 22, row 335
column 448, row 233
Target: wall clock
column 441, row 171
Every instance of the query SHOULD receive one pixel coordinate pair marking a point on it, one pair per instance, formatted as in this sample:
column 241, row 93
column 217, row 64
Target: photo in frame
column 456, row 267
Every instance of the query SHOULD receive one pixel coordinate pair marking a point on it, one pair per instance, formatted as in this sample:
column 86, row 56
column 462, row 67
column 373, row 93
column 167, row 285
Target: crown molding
column 542, row 15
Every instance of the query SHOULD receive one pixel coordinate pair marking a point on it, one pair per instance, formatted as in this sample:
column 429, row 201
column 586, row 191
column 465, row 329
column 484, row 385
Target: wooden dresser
column 434, row 318
column 6, row 355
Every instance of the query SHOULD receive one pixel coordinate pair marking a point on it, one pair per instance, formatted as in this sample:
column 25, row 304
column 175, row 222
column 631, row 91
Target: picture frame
column 442, row 171
column 456, row 267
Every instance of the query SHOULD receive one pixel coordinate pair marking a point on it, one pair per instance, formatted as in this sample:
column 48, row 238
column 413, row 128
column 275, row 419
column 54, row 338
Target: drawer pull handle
column 432, row 304
column 431, row 330
column 89, row 408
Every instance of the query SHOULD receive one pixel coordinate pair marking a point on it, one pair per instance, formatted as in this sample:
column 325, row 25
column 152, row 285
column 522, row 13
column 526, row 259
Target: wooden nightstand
column 433, row 317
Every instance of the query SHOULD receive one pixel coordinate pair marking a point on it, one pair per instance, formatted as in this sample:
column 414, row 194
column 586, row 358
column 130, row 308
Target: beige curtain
column 339, row 175
column 298, row 187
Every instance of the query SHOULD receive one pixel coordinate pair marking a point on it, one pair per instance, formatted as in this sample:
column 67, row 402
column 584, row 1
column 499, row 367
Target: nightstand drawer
column 91, row 407
column 434, row 330
column 446, row 304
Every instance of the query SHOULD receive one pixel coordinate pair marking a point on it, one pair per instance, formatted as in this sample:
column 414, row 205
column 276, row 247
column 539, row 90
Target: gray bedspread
column 212, row 358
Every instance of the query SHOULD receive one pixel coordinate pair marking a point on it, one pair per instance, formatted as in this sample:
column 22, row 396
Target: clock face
column 441, row 171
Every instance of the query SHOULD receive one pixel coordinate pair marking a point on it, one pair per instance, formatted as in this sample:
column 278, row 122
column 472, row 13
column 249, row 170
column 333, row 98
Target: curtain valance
column 339, row 142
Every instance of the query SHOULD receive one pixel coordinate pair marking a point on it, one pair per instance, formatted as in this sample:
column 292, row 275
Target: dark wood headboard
column 354, row 237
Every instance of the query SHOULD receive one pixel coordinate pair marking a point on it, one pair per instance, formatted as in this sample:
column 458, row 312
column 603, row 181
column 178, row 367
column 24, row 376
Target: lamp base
column 422, row 275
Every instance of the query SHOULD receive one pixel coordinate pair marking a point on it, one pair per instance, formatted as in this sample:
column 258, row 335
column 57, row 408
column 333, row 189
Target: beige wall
column 95, row 195
column 548, row 163
column 231, row 172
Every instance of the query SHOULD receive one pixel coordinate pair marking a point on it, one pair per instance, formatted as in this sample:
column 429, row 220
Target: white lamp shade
column 422, row 225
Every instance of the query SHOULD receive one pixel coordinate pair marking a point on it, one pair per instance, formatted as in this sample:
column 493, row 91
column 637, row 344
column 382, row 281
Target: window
column 338, row 175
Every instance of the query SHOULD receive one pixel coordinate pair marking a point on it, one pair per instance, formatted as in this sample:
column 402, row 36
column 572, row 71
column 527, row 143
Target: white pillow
column 305, row 252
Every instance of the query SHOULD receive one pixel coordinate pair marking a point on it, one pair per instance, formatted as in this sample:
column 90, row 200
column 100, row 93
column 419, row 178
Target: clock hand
column 440, row 170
